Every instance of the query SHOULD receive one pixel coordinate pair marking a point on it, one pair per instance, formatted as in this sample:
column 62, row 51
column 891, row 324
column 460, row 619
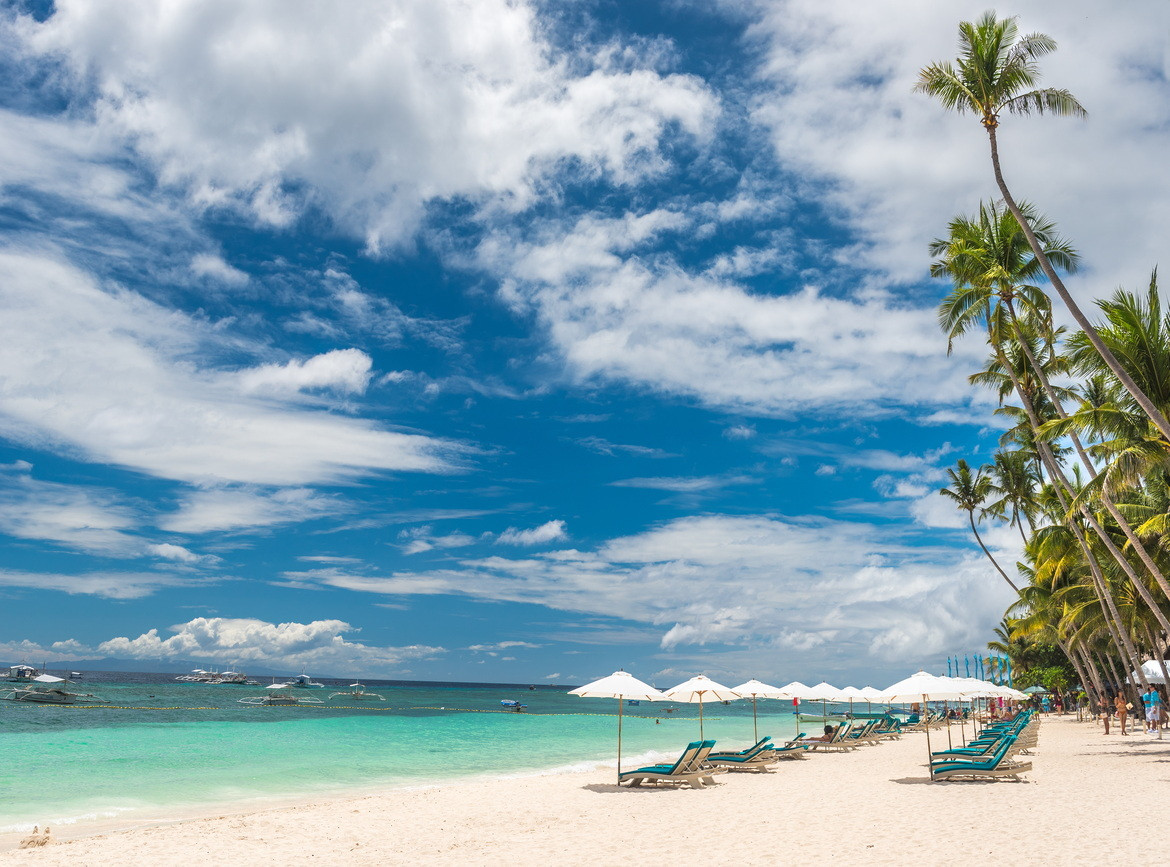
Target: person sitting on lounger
column 827, row 736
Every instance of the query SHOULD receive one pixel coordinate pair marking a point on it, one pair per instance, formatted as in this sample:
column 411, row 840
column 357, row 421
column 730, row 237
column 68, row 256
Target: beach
column 1087, row 794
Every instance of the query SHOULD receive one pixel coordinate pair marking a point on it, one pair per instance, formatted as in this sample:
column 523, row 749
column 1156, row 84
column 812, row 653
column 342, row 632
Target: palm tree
column 996, row 72
column 1014, row 481
column 970, row 490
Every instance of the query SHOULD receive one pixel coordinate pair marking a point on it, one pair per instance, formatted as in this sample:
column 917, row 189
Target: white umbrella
column 620, row 685
column 697, row 689
column 758, row 690
column 1152, row 671
column 823, row 692
column 851, row 694
column 925, row 687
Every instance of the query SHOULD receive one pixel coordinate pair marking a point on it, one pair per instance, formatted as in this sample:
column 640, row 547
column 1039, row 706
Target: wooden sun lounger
column 691, row 769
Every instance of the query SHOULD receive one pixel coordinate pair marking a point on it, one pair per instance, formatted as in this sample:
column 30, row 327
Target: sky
column 521, row 341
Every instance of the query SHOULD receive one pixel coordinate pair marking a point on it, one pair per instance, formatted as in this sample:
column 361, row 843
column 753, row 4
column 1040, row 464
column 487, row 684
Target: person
column 1044, row 704
column 827, row 736
column 1153, row 702
column 1106, row 710
column 1122, row 710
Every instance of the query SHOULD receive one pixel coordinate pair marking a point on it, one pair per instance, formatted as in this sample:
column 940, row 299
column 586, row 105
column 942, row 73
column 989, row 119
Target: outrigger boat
column 281, row 695
column 216, row 678
column 49, row 692
column 358, row 693
column 21, row 673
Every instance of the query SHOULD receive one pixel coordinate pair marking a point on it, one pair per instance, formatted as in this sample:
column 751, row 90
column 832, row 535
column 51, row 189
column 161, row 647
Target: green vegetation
column 1083, row 473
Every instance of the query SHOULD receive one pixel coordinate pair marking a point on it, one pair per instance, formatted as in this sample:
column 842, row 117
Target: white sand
column 1089, row 798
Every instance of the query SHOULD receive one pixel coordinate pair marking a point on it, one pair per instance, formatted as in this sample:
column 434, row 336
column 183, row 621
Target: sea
column 155, row 747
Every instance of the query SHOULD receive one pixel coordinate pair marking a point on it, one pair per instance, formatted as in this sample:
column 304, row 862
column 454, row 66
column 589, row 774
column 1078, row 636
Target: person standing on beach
column 1153, row 702
column 1106, row 711
column 1122, row 709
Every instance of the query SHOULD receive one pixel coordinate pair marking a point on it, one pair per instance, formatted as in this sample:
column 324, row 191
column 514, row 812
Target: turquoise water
column 163, row 746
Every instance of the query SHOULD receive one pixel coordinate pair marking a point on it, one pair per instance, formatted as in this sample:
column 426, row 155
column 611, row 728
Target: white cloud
column 247, row 105
column 179, row 554
column 211, row 265
column 753, row 580
column 617, row 309
column 740, row 432
column 342, row 370
column 417, row 540
column 115, row 377
column 892, row 165
column 82, row 518
column 552, row 531
column 685, row 484
column 110, row 585
column 205, row 511
column 320, row 644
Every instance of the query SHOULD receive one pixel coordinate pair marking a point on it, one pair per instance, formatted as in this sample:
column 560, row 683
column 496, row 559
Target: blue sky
column 515, row 341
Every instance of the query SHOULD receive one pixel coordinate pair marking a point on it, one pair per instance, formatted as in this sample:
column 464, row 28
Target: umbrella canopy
column 759, row 690
column 1036, row 690
column 700, row 688
column 924, row 687
column 920, row 684
column 619, row 685
column 872, row 694
column 754, row 689
column 1152, row 671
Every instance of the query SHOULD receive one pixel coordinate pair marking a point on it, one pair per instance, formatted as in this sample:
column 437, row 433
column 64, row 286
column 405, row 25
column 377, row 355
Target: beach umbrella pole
column 925, row 716
column 700, row 717
column 755, row 725
column 621, row 701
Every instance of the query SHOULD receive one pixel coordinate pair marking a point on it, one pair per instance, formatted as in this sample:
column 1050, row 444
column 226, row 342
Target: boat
column 216, row 678
column 21, row 673
column 75, row 674
column 279, row 694
column 303, row 681
column 48, row 690
column 357, row 693
column 512, row 704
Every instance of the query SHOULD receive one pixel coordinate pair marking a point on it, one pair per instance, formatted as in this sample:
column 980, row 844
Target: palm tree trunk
column 979, row 539
column 1106, row 354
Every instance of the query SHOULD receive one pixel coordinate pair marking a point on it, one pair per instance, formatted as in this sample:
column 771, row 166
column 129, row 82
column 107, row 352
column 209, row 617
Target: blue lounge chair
column 690, row 769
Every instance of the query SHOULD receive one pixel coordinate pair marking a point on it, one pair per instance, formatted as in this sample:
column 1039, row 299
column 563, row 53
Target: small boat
column 49, row 690
column 75, row 674
column 512, row 704
column 303, row 681
column 21, row 673
column 357, row 693
column 280, row 694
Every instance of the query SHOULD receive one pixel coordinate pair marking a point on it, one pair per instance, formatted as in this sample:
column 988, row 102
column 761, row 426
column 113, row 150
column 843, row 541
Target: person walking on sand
column 1106, row 711
column 1122, row 709
column 1153, row 702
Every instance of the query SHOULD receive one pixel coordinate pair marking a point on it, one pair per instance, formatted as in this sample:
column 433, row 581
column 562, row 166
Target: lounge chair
column 999, row 764
column 690, row 769
column 757, row 757
column 837, row 743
